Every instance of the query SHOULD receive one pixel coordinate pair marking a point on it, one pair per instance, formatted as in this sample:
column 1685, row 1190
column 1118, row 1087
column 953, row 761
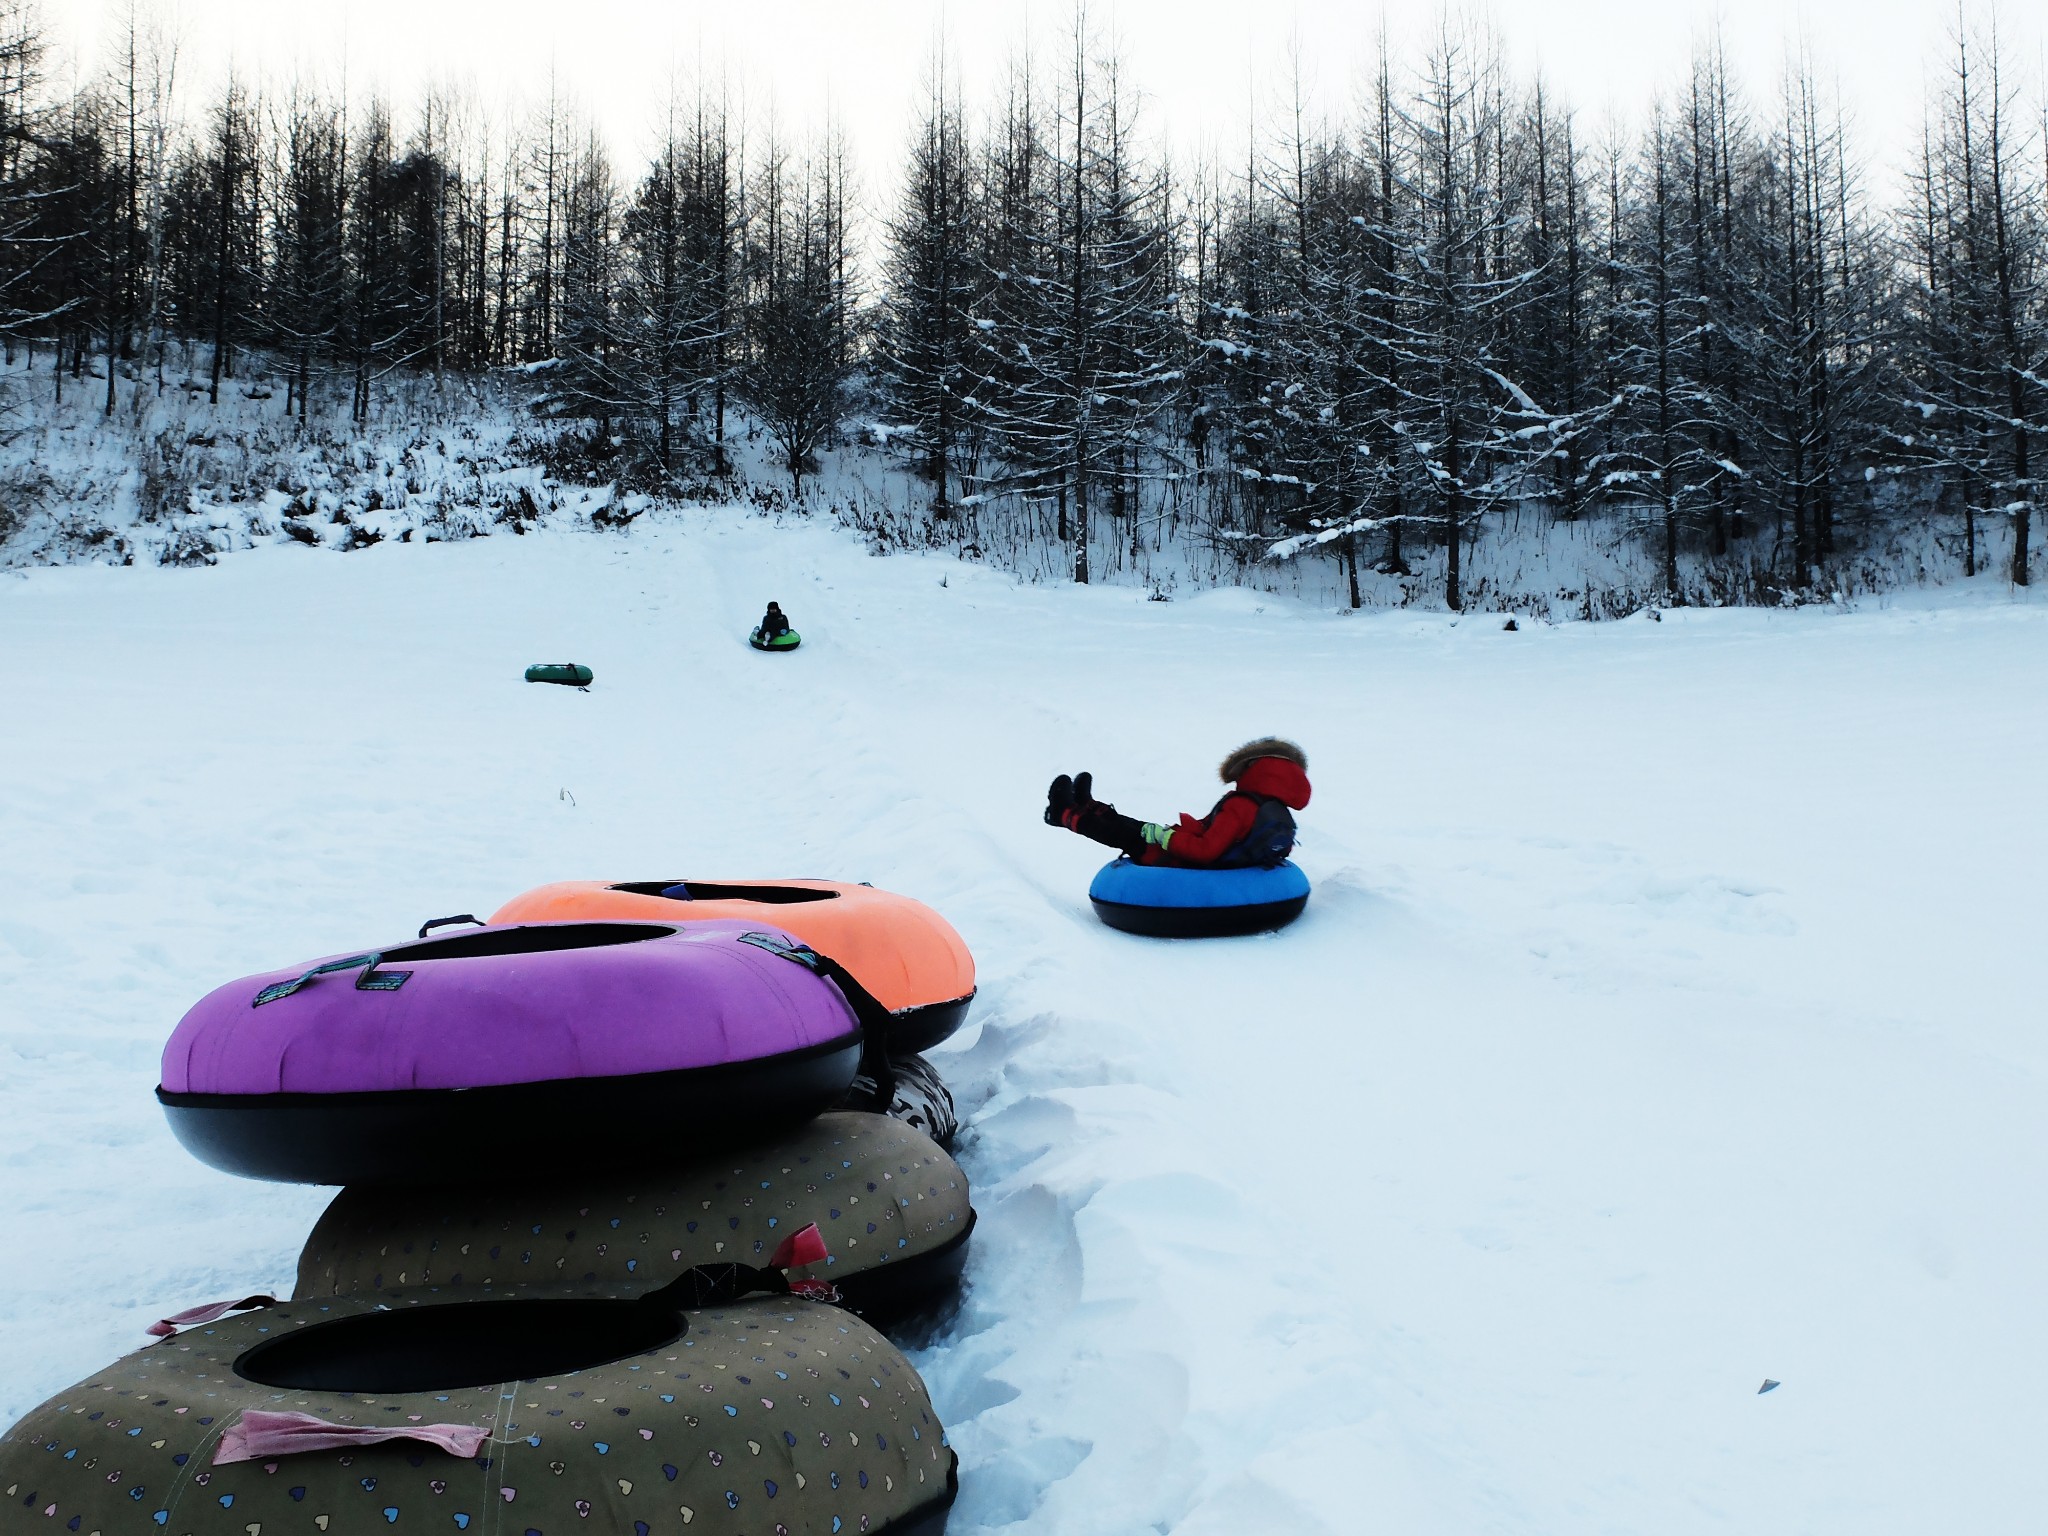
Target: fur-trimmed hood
column 1270, row 767
column 1266, row 746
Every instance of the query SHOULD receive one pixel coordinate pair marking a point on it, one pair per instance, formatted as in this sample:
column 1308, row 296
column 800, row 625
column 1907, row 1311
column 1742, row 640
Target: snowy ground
column 1668, row 1016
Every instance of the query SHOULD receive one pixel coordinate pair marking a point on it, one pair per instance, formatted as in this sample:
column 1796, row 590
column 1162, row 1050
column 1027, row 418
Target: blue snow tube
column 1173, row 902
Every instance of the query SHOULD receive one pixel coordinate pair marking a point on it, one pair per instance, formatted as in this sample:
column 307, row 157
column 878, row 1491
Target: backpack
column 1268, row 841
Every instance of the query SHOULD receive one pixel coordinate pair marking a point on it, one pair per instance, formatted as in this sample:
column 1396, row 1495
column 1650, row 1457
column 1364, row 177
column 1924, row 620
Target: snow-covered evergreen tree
column 602, row 362
column 1081, row 316
column 1975, row 370
column 798, row 364
column 1806, row 316
column 311, row 270
column 933, row 283
column 1473, row 431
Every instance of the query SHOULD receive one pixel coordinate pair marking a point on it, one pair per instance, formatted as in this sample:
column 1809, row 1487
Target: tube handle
column 371, row 979
column 442, row 922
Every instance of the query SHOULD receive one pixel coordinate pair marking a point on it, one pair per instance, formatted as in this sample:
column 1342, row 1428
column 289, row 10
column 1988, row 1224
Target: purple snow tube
column 532, row 1048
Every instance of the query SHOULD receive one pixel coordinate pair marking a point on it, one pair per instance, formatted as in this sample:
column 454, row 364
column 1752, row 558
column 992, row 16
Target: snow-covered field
column 1668, row 1017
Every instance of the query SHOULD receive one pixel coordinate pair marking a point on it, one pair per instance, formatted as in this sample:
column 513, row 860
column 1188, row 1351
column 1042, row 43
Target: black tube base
column 931, row 1520
column 431, row 1135
column 1200, row 922
column 891, row 1292
column 919, row 1029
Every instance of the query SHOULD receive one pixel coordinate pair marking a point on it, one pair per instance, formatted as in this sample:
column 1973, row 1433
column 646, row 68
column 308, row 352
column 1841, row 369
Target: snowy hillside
column 174, row 479
column 1666, row 1019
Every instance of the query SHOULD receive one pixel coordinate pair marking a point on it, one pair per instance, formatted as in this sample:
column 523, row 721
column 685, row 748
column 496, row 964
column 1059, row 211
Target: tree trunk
column 1670, row 540
column 1081, row 528
column 2020, row 480
column 220, row 271
column 1393, row 562
column 1453, row 495
column 1802, row 554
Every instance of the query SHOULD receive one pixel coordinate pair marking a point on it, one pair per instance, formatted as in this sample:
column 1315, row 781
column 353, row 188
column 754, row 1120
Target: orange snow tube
column 902, row 951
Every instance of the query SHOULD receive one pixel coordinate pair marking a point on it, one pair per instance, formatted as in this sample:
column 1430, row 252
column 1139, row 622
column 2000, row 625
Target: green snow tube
column 602, row 1410
column 789, row 640
column 571, row 674
column 891, row 1205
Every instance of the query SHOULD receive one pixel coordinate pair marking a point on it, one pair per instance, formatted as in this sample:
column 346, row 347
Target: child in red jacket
column 1251, row 825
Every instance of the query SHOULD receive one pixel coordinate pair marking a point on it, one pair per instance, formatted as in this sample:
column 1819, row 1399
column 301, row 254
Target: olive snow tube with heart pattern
column 547, row 1414
column 892, row 1208
column 439, row 1059
column 902, row 951
column 1171, row 901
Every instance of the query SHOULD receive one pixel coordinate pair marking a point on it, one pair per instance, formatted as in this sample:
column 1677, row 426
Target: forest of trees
column 1373, row 338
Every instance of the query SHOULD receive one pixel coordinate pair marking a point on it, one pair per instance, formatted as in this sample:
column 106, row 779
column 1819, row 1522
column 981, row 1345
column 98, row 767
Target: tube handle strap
column 371, row 980
column 870, row 1012
column 874, row 1018
column 722, row 1284
column 442, row 922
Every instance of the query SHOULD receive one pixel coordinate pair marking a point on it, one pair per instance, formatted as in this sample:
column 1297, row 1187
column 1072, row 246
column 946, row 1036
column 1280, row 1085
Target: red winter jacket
column 1207, row 840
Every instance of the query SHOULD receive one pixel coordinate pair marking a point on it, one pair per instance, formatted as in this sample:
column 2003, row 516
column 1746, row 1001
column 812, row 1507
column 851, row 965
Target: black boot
column 1059, row 801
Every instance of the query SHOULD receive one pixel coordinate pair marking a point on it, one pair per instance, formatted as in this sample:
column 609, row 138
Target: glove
column 1156, row 836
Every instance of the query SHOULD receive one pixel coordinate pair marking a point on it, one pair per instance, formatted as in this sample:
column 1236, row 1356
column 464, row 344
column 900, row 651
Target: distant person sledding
column 773, row 632
column 1223, row 873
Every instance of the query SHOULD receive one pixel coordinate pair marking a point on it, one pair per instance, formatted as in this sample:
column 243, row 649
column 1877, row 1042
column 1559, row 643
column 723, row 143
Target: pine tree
column 27, row 306
column 1802, row 319
column 1552, row 346
column 660, row 295
column 1975, row 376
column 76, row 225
column 932, row 290
column 1473, row 432
column 601, row 364
column 797, row 366
column 311, row 280
column 1074, row 329
column 1658, row 454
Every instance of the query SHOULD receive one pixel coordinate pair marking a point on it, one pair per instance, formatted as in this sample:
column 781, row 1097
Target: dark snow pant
column 1106, row 825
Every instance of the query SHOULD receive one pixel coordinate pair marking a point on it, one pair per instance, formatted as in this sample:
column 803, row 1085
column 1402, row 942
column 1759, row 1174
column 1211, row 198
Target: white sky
column 1201, row 64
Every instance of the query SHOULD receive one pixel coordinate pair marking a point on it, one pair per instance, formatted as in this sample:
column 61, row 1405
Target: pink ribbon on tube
column 257, row 1435
column 191, row 1317
column 797, row 1250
